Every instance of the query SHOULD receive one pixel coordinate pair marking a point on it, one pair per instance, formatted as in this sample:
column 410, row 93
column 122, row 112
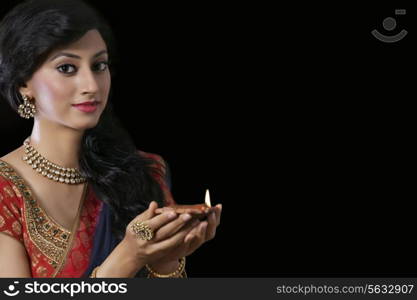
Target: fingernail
column 186, row 217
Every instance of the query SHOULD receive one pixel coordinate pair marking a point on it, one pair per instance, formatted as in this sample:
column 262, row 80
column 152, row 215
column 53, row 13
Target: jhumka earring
column 27, row 109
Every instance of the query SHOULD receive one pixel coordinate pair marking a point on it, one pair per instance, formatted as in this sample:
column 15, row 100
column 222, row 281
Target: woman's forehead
column 90, row 44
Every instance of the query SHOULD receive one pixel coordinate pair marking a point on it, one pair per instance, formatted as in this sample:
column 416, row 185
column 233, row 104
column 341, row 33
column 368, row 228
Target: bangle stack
column 178, row 273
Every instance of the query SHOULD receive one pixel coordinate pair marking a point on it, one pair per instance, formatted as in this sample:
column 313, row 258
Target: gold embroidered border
column 51, row 239
column 74, row 230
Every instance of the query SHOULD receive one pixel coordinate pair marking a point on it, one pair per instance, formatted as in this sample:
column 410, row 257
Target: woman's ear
column 24, row 90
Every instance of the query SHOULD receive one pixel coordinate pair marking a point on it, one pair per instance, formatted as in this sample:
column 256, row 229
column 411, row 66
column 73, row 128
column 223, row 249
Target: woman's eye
column 101, row 66
column 70, row 69
column 67, row 69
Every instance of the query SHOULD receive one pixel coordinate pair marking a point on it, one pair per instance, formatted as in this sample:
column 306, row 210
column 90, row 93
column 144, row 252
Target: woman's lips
column 86, row 107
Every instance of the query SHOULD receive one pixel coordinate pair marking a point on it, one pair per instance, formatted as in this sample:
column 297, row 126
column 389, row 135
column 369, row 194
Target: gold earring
column 27, row 109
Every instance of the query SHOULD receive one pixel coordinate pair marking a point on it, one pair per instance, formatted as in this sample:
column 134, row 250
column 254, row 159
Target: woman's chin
column 85, row 125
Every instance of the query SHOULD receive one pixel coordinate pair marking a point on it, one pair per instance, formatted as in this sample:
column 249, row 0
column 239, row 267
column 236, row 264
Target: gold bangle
column 93, row 274
column 179, row 272
column 183, row 274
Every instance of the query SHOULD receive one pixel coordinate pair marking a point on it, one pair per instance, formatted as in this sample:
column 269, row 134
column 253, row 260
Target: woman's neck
column 57, row 143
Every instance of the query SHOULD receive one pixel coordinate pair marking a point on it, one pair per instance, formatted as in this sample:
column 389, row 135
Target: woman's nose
column 89, row 82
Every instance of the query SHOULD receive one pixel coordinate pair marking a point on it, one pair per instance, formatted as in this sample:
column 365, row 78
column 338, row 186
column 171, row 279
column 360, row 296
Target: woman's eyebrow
column 75, row 56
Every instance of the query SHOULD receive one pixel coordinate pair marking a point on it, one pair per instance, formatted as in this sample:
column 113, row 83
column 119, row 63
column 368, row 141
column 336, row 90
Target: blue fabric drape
column 104, row 240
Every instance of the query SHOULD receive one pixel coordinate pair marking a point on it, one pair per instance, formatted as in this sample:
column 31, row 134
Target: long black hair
column 118, row 174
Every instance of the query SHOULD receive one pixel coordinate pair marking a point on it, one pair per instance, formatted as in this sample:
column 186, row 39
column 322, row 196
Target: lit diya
column 200, row 211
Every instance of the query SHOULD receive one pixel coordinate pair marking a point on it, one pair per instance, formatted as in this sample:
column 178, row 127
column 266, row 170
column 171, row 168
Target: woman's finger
column 199, row 238
column 199, row 235
column 211, row 227
column 201, row 232
column 192, row 234
column 154, row 223
column 171, row 228
column 177, row 238
column 161, row 210
column 147, row 214
column 218, row 212
column 160, row 220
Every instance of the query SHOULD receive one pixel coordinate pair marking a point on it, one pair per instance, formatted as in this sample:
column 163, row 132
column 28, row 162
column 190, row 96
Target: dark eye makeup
column 69, row 69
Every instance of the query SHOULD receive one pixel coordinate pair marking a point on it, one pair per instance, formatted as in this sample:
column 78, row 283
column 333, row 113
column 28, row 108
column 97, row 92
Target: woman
column 77, row 198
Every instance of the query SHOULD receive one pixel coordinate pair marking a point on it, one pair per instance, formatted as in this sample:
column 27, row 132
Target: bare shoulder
column 13, row 156
column 14, row 160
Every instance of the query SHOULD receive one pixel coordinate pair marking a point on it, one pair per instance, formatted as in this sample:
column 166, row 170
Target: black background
column 294, row 116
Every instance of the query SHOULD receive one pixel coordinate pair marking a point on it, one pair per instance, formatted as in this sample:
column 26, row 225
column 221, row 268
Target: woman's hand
column 206, row 230
column 200, row 233
column 170, row 230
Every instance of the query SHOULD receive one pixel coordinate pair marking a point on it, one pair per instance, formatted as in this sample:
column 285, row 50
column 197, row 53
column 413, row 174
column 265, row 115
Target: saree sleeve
column 10, row 212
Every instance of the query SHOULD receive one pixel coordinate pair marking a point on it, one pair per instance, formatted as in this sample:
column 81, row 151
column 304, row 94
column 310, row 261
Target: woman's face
column 71, row 75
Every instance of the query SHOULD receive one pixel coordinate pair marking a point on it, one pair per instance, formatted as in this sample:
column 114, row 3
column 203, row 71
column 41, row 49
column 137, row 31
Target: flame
column 208, row 203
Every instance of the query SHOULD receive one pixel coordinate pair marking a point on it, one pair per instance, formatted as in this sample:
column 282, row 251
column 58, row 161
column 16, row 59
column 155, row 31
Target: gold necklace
column 50, row 170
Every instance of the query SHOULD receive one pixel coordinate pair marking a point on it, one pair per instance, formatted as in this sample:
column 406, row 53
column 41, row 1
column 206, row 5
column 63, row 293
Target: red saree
column 52, row 250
